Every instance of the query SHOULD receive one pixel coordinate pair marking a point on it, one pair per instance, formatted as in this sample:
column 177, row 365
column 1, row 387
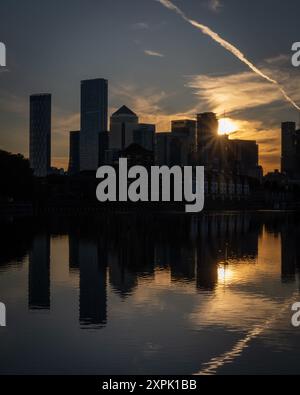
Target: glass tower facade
column 94, row 109
column 40, row 134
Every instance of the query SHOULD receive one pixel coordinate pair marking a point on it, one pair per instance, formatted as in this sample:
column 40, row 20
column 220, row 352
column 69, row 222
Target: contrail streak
column 229, row 47
column 216, row 363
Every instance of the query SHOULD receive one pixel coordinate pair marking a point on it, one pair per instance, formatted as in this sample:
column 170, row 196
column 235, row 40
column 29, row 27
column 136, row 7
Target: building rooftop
column 124, row 111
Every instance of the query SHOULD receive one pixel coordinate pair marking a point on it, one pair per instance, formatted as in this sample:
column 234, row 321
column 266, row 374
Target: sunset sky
column 156, row 63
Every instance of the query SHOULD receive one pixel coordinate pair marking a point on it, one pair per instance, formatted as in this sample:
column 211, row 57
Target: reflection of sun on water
column 227, row 126
column 225, row 274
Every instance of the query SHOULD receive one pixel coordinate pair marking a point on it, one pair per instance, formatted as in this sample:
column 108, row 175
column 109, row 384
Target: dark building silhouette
column 103, row 147
column 94, row 113
column 144, row 136
column 39, row 273
column 207, row 139
column 162, row 148
column 184, row 131
column 74, row 156
column 290, row 141
column 138, row 156
column 40, row 134
column 243, row 156
column 123, row 122
column 288, row 130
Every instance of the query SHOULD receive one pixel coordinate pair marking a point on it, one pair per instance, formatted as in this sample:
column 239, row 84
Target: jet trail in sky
column 229, row 47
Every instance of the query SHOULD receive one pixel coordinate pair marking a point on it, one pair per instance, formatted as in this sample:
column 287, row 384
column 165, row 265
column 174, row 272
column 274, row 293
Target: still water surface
column 150, row 295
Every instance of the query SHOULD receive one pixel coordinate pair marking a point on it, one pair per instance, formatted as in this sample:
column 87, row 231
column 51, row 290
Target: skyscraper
column 243, row 157
column 74, row 156
column 40, row 134
column 288, row 147
column 103, row 147
column 207, row 138
column 94, row 109
column 186, row 127
column 183, row 142
column 144, row 136
column 162, row 148
column 122, row 124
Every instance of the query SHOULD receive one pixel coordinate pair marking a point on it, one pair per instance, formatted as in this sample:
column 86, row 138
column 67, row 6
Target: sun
column 227, row 126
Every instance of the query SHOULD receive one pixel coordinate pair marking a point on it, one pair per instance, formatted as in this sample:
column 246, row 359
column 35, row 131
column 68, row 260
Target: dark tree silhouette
column 16, row 178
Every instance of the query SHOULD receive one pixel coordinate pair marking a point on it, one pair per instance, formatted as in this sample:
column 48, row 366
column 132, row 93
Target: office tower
column 103, row 147
column 40, row 134
column 290, row 158
column 207, row 139
column 39, row 273
column 144, row 136
column 74, row 155
column 94, row 109
column 183, row 143
column 162, row 148
column 122, row 124
column 244, row 157
column 186, row 127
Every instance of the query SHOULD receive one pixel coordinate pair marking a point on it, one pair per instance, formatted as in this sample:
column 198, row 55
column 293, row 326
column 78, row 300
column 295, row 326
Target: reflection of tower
column 182, row 262
column 73, row 252
column 207, row 268
column 39, row 273
column 93, row 293
column 121, row 278
column 289, row 243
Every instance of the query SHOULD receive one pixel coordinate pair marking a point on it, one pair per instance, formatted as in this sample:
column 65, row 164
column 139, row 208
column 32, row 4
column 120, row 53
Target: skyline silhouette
column 191, row 75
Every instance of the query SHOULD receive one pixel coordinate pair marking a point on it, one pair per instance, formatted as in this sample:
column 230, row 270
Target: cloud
column 153, row 53
column 215, row 5
column 230, row 48
column 140, row 26
column 233, row 92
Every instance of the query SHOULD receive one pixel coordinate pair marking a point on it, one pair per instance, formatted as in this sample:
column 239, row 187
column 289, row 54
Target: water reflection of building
column 73, row 252
column 182, row 262
column 122, row 279
column 222, row 238
column 193, row 250
column 93, row 284
column 289, row 253
column 207, row 267
column 131, row 257
column 39, row 273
